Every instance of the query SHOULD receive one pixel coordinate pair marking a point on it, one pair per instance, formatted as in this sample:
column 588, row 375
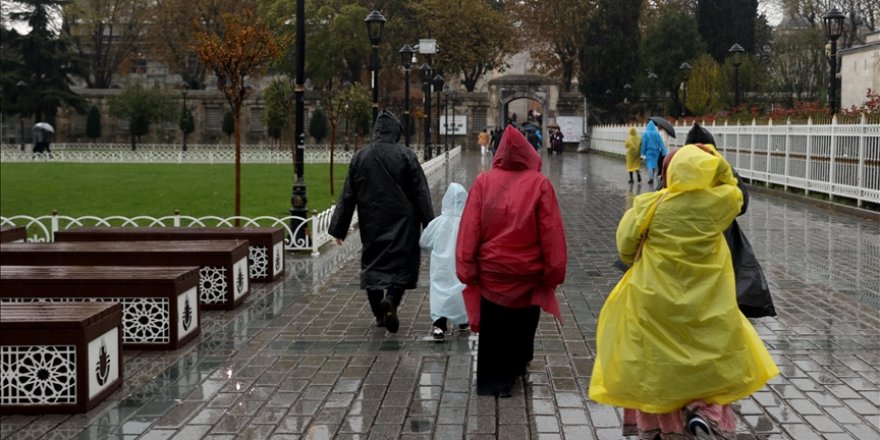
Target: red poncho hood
column 511, row 242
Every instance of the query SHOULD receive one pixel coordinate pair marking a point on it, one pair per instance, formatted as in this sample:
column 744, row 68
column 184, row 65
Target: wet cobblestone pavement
column 302, row 359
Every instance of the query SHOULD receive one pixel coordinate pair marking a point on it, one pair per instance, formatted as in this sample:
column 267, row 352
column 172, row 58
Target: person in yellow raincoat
column 633, row 149
column 673, row 349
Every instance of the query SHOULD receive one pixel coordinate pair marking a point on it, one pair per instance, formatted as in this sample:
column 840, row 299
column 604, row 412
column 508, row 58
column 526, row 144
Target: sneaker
column 464, row 326
column 438, row 333
column 380, row 322
column 391, row 322
column 699, row 428
column 651, row 182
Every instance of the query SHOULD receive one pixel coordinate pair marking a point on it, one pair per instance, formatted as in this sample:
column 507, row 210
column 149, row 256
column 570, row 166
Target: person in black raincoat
column 387, row 186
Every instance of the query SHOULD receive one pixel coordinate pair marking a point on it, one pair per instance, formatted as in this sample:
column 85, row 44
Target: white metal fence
column 313, row 230
column 833, row 159
column 169, row 153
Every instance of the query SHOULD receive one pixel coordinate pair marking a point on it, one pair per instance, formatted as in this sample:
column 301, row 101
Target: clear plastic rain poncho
column 439, row 238
column 670, row 332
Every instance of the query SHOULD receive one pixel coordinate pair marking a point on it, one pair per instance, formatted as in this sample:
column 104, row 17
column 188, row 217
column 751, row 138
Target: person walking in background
column 651, row 149
column 483, row 140
column 387, row 186
column 496, row 138
column 439, row 239
column 633, row 145
column 556, row 139
column 511, row 255
column 673, row 348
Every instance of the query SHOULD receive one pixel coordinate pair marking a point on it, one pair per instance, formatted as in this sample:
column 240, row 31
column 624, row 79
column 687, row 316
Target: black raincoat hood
column 388, row 128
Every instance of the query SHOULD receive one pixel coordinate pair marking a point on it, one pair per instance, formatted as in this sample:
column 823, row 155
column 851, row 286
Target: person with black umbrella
column 652, row 149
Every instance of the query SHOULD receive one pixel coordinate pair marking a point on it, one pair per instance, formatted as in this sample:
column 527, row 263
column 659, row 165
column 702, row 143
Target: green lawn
column 156, row 190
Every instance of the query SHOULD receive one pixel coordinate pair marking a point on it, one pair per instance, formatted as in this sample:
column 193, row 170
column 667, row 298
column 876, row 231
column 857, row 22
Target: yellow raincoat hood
column 670, row 332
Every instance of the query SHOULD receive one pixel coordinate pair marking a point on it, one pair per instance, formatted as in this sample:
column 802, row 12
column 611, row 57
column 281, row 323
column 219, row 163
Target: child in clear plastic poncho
column 673, row 349
column 439, row 238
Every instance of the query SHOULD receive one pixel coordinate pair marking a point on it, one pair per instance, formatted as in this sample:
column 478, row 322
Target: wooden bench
column 160, row 305
column 223, row 280
column 265, row 255
column 9, row 234
column 59, row 357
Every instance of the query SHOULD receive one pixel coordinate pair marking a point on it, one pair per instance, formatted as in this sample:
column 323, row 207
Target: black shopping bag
column 752, row 292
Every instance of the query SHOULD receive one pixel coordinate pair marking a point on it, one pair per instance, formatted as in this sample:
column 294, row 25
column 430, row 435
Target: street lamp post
column 453, row 95
column 446, row 92
column 375, row 25
column 406, row 61
column 438, row 87
column 833, row 24
column 652, row 78
column 184, row 120
column 298, row 198
column 21, row 88
column 425, row 71
column 736, row 51
column 686, row 72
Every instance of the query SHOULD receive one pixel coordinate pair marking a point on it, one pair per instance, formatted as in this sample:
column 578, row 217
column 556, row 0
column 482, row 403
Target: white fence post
column 787, row 170
column 860, row 180
column 832, row 154
column 53, row 226
column 808, row 171
column 313, row 233
column 176, row 218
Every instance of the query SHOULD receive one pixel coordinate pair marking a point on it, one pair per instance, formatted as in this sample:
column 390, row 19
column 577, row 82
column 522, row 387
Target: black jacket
column 387, row 186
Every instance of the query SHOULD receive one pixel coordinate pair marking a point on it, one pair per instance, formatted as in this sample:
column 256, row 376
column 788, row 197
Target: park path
column 302, row 360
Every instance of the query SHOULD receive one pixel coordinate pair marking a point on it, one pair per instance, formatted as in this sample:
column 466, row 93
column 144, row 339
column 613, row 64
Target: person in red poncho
column 511, row 256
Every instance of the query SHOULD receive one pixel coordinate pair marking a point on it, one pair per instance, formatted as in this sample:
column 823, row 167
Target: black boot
column 639, row 175
column 630, row 177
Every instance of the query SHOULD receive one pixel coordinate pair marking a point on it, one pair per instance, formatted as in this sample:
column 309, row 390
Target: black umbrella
column 664, row 124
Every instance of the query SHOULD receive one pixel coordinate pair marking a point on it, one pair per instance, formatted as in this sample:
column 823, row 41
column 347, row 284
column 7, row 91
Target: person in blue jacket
column 652, row 149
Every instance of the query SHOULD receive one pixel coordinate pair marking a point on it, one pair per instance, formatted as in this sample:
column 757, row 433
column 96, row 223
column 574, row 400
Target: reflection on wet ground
column 302, row 358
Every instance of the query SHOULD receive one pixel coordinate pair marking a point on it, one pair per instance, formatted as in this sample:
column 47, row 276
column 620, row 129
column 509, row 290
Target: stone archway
column 508, row 88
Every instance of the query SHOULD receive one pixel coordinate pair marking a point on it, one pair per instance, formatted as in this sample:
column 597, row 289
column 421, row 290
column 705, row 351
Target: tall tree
column 104, row 33
column 723, row 23
column 39, row 64
column 705, row 87
column 479, row 41
column 142, row 106
column 669, row 41
column 797, row 66
column 173, row 28
column 609, row 53
column 244, row 49
column 553, row 28
column 93, row 123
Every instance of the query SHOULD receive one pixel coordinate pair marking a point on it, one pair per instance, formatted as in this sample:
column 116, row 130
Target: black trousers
column 375, row 297
column 506, row 346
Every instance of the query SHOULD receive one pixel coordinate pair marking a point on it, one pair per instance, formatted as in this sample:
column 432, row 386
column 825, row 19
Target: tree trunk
column 237, row 118
column 133, row 146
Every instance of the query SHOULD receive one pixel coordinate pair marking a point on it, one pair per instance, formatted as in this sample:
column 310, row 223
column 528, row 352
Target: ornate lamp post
column 298, row 198
column 21, row 88
column 686, row 73
column 736, row 51
column 438, row 87
column 453, row 95
column 184, row 116
column 425, row 71
column 652, row 78
column 407, row 56
column 375, row 25
column 833, row 24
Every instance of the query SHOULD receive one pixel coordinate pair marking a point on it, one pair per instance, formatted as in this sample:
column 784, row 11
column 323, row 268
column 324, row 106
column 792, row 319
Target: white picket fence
column 834, row 159
column 169, row 153
column 312, row 231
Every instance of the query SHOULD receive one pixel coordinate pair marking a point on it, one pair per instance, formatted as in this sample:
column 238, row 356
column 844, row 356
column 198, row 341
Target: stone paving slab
column 303, row 360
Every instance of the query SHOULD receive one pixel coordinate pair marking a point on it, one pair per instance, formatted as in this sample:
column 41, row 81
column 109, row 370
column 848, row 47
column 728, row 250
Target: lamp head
column 438, row 82
column 833, row 24
column 375, row 25
column 406, row 56
column 736, row 51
